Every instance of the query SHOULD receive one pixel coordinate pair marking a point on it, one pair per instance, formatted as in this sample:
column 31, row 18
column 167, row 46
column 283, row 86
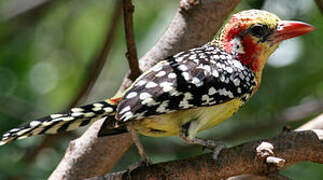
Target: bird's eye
column 259, row 30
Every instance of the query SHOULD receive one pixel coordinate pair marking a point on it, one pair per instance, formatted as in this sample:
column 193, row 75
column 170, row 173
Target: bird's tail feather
column 61, row 122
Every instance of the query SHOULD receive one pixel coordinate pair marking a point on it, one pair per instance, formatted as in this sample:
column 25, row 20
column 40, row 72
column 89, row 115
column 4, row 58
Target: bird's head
column 253, row 35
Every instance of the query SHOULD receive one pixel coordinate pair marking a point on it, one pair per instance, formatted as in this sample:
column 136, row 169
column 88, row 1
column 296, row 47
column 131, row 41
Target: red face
column 254, row 39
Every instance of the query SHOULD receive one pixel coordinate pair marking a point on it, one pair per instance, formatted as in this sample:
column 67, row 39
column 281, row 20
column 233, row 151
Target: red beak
column 289, row 29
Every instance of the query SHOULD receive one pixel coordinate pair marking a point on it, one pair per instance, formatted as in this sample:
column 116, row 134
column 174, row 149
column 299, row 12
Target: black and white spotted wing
column 204, row 76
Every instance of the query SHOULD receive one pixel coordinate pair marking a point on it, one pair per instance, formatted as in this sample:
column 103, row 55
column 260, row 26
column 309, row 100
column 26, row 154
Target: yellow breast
column 170, row 124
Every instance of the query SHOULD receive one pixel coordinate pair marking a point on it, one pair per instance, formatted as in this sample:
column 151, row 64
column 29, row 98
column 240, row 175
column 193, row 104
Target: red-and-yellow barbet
column 188, row 92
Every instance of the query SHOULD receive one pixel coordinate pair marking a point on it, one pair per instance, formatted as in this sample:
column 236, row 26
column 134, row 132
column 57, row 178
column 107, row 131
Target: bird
column 188, row 92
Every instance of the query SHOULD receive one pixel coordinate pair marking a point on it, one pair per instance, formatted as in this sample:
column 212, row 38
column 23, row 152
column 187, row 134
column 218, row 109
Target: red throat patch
column 252, row 50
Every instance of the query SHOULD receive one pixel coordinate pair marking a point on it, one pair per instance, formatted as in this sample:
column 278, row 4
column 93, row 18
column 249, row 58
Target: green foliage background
column 44, row 58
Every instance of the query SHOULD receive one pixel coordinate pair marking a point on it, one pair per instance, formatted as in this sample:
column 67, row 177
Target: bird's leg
column 145, row 159
column 187, row 133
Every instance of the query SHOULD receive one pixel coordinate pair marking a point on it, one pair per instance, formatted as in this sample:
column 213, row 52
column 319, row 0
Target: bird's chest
column 171, row 123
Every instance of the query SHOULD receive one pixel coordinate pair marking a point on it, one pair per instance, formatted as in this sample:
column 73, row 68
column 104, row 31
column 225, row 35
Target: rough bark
column 263, row 157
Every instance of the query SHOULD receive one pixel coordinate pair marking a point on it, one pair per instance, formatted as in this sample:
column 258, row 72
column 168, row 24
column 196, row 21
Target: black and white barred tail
column 61, row 122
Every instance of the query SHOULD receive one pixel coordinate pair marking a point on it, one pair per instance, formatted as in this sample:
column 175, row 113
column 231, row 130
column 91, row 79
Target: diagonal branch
column 90, row 156
column 131, row 54
column 263, row 157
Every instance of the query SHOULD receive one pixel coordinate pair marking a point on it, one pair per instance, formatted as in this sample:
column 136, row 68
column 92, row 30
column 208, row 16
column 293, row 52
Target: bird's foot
column 215, row 146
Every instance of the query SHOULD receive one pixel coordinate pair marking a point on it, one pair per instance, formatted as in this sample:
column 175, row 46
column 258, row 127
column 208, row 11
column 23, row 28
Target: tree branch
column 131, row 54
column 90, row 156
column 263, row 157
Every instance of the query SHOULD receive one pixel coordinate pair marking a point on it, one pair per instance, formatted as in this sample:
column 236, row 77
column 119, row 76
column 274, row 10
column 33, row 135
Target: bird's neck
column 250, row 53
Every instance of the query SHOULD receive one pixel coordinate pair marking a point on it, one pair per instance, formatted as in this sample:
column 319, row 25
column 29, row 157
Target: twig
column 92, row 156
column 131, row 54
column 242, row 159
column 94, row 69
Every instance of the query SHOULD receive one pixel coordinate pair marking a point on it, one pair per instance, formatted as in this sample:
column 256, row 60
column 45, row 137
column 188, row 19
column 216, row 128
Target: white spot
column 174, row 92
column 89, row 114
column 98, row 105
column 144, row 95
column 230, row 94
column 212, row 103
column 236, row 82
column 6, row 134
column 166, row 86
column 151, row 84
column 141, row 82
column 222, row 78
column 34, row 123
column 14, row 130
column 221, row 91
column 197, row 82
column 215, row 73
column 96, row 109
column 149, row 102
column 163, row 107
column 54, row 116
column 22, row 137
column 160, row 74
column 23, row 131
column 77, row 114
column 182, row 67
column 237, row 64
column 193, row 56
column 241, row 76
column 68, row 118
column 186, row 75
column 172, row 75
column 132, row 95
column 127, row 116
column 212, row 91
column 215, row 57
column 184, row 103
column 124, row 110
column 207, row 68
column 157, row 68
column 206, row 99
column 47, row 123
column 179, row 59
column 247, row 78
column 108, row 109
column 222, row 57
column 239, row 90
column 229, row 69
